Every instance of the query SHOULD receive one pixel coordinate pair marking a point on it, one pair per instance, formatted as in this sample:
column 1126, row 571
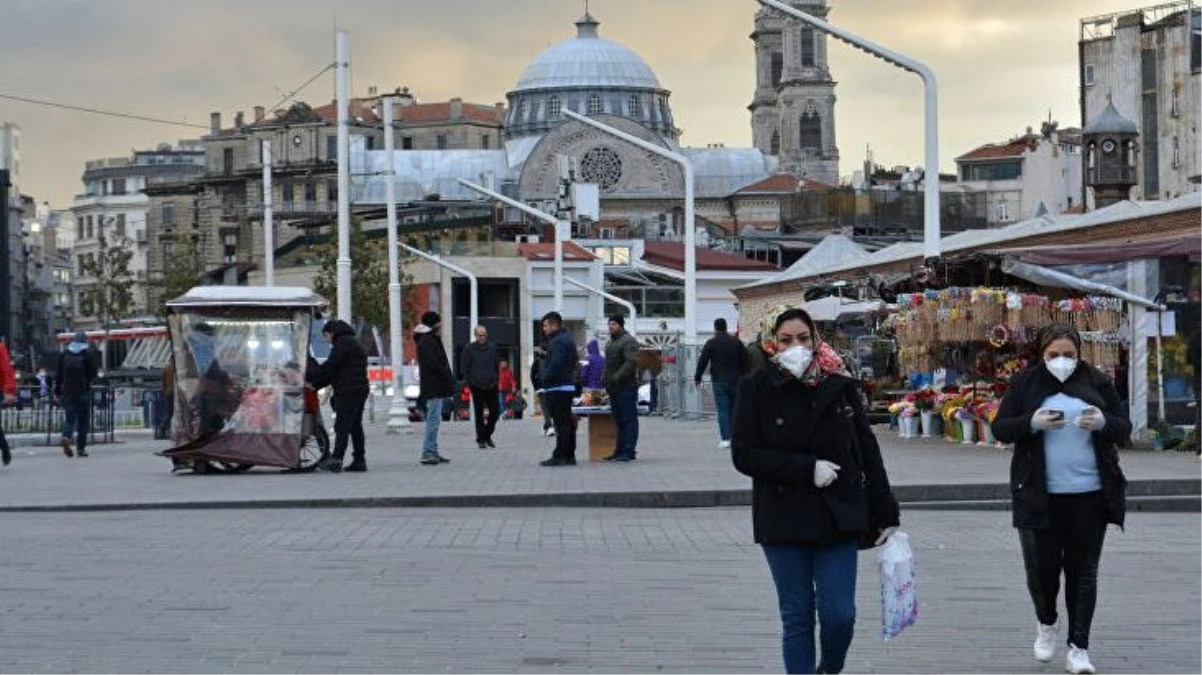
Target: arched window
column 634, row 107
column 778, row 67
column 523, row 108
column 594, row 105
column 811, row 130
column 775, row 149
column 553, row 107
column 807, row 47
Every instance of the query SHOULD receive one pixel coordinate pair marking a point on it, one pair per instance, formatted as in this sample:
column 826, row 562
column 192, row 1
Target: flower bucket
column 968, row 430
column 909, row 427
column 930, row 423
column 984, row 433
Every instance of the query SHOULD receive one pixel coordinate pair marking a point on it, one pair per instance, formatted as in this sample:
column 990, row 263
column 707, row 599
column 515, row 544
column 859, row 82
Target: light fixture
column 252, row 343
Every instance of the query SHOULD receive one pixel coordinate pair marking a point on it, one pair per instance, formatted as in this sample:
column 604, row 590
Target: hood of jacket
column 594, row 348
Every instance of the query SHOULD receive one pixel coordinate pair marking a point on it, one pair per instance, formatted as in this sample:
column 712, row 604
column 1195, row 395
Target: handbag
column 867, row 539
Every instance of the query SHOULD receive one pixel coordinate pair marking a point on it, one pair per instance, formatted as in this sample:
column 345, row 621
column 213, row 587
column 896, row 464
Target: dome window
column 635, row 106
column 594, row 105
column 553, row 107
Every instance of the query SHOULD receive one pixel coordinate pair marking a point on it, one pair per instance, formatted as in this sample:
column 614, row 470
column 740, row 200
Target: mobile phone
column 1057, row 414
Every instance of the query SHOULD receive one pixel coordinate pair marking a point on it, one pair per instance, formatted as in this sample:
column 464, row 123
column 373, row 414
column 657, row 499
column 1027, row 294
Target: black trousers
column 485, row 399
column 559, row 408
column 1072, row 545
column 348, row 424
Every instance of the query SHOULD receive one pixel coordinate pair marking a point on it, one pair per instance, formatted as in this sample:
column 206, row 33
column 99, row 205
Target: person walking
column 437, row 383
column 77, row 371
column 621, row 384
column 592, row 376
column 1065, row 419
column 8, row 385
column 726, row 357
column 345, row 369
column 558, row 385
column 819, row 488
column 479, row 367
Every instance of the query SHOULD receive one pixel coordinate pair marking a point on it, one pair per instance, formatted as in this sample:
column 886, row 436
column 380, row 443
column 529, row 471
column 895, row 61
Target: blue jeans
column 76, row 414
column 433, row 422
column 624, row 405
column 813, row 579
column 724, row 401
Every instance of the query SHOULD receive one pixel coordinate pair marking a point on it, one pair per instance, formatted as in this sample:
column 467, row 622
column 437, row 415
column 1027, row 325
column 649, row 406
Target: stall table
column 602, row 433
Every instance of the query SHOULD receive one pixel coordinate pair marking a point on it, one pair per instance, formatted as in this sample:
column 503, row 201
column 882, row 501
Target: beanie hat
column 431, row 319
column 618, row 319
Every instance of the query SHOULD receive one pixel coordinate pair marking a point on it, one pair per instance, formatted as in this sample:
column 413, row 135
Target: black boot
column 332, row 464
column 6, row 455
column 357, row 465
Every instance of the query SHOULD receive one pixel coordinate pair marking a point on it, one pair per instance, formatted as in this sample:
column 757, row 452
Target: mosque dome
column 587, row 60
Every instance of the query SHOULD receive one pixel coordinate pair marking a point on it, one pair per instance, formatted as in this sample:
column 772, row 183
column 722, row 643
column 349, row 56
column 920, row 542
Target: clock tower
column 1109, row 157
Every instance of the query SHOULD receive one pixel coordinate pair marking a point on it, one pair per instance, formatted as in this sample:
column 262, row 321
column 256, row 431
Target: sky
column 1002, row 66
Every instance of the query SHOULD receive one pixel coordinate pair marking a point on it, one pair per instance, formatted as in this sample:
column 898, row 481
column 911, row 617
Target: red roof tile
column 1012, row 148
column 781, row 182
column 671, row 255
column 429, row 113
column 541, row 251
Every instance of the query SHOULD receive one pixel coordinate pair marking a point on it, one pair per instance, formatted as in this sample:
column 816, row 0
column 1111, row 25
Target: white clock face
column 1108, row 147
column 296, row 140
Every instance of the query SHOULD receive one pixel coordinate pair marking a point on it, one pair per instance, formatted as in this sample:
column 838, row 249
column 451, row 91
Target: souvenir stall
column 958, row 348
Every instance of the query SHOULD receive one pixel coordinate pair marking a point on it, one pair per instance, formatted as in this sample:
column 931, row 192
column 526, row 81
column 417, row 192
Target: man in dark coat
column 558, row 384
column 480, row 368
column 77, row 369
column 726, row 357
column 621, row 384
column 346, row 370
column 437, row 383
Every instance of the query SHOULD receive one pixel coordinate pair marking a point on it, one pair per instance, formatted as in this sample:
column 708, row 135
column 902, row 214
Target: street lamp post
column 398, row 417
column 634, row 315
column 268, row 218
column 931, row 226
column 342, row 78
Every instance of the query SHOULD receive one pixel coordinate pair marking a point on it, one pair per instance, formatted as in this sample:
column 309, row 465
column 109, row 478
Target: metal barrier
column 36, row 414
column 677, row 395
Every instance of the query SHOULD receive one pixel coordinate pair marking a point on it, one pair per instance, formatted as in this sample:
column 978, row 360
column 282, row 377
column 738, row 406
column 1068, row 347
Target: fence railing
column 35, row 413
column 677, row 395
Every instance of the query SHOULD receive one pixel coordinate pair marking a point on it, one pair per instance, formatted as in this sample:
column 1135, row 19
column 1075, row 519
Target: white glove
column 885, row 534
column 1091, row 419
column 825, row 473
column 1044, row 420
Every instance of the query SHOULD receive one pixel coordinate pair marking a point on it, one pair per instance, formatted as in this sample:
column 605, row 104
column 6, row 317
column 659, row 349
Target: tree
column 111, row 295
column 182, row 269
column 369, row 272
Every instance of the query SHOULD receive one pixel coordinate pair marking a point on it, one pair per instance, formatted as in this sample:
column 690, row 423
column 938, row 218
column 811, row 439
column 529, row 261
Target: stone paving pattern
column 533, row 591
column 675, row 456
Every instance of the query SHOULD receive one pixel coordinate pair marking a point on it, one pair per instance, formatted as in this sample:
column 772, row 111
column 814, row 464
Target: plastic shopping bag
column 899, row 597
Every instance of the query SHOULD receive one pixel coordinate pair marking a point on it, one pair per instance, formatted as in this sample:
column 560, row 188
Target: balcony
column 1111, row 175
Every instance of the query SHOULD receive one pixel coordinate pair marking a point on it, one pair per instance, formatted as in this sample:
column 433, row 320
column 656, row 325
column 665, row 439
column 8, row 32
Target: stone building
column 793, row 109
column 1146, row 62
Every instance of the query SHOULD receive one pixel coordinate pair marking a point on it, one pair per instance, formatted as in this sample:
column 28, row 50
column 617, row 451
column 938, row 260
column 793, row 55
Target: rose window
column 602, row 166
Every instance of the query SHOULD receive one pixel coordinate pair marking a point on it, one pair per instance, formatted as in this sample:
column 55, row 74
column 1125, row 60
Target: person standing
column 819, row 487
column 8, row 384
column 592, row 376
column 480, row 369
column 1065, row 419
column 437, row 383
column 557, row 380
column 346, row 370
column 77, row 370
column 621, row 383
column 726, row 357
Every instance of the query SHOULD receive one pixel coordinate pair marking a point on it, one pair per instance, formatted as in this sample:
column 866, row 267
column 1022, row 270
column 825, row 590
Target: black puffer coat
column 346, row 367
column 1028, row 470
column 781, row 429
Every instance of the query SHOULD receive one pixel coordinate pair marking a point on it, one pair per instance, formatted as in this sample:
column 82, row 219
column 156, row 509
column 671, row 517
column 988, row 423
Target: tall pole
column 558, row 275
column 398, row 419
column 268, row 216
column 341, row 73
column 931, row 227
column 690, row 229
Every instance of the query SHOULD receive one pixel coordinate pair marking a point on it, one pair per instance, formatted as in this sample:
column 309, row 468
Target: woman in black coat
column 819, row 487
column 1064, row 418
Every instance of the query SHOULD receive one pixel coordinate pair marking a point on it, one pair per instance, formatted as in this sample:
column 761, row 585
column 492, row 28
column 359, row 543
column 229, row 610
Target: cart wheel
column 217, row 466
column 315, row 448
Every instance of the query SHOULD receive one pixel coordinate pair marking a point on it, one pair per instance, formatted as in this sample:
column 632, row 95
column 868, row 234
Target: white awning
column 1045, row 276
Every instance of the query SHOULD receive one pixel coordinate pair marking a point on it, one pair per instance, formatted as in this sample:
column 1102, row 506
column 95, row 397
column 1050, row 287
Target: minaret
column 1110, row 142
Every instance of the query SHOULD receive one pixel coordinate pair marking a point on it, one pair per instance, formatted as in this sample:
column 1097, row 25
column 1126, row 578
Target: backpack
column 75, row 367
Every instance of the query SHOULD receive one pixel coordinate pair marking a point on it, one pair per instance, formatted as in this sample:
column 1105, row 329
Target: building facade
column 10, row 153
column 1146, row 62
column 793, row 109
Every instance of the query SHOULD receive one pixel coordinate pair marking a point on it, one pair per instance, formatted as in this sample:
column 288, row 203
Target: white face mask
column 1061, row 367
column 795, row 359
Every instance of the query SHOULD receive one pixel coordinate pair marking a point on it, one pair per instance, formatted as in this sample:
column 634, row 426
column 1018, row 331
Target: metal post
column 398, row 418
column 341, row 68
column 268, row 217
column 690, row 229
column 634, row 315
column 931, row 227
column 558, row 275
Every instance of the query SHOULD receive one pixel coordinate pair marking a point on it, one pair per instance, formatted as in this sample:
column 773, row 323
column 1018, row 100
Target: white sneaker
column 1078, row 661
column 1045, row 641
column 724, row 444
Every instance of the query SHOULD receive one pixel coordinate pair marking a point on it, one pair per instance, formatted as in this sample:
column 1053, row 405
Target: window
column 523, row 109
column 229, row 205
column 553, row 108
column 594, row 105
column 807, row 47
column 810, row 130
column 120, row 225
column 1003, row 211
column 1176, row 153
column 775, row 148
column 286, row 193
column 332, row 148
column 168, row 252
column 634, row 107
column 440, row 141
column 230, row 245
column 331, row 190
column 1195, row 40
column 310, row 193
column 993, row 171
column 1175, row 104
column 227, row 161
column 778, row 67
column 91, row 220
column 79, row 227
column 82, row 260
column 168, row 213
column 371, row 142
column 406, row 142
column 118, row 186
column 1088, row 76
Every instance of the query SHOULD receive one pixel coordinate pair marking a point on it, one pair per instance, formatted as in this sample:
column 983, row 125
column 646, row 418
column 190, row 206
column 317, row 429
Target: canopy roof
column 249, row 296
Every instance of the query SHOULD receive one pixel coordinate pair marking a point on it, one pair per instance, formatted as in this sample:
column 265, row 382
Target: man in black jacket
column 77, row 370
column 621, row 367
column 558, row 384
column 346, row 370
column 726, row 357
column 437, row 383
column 479, row 367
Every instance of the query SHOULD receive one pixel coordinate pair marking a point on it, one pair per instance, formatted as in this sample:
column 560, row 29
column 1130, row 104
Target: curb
column 1165, row 496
